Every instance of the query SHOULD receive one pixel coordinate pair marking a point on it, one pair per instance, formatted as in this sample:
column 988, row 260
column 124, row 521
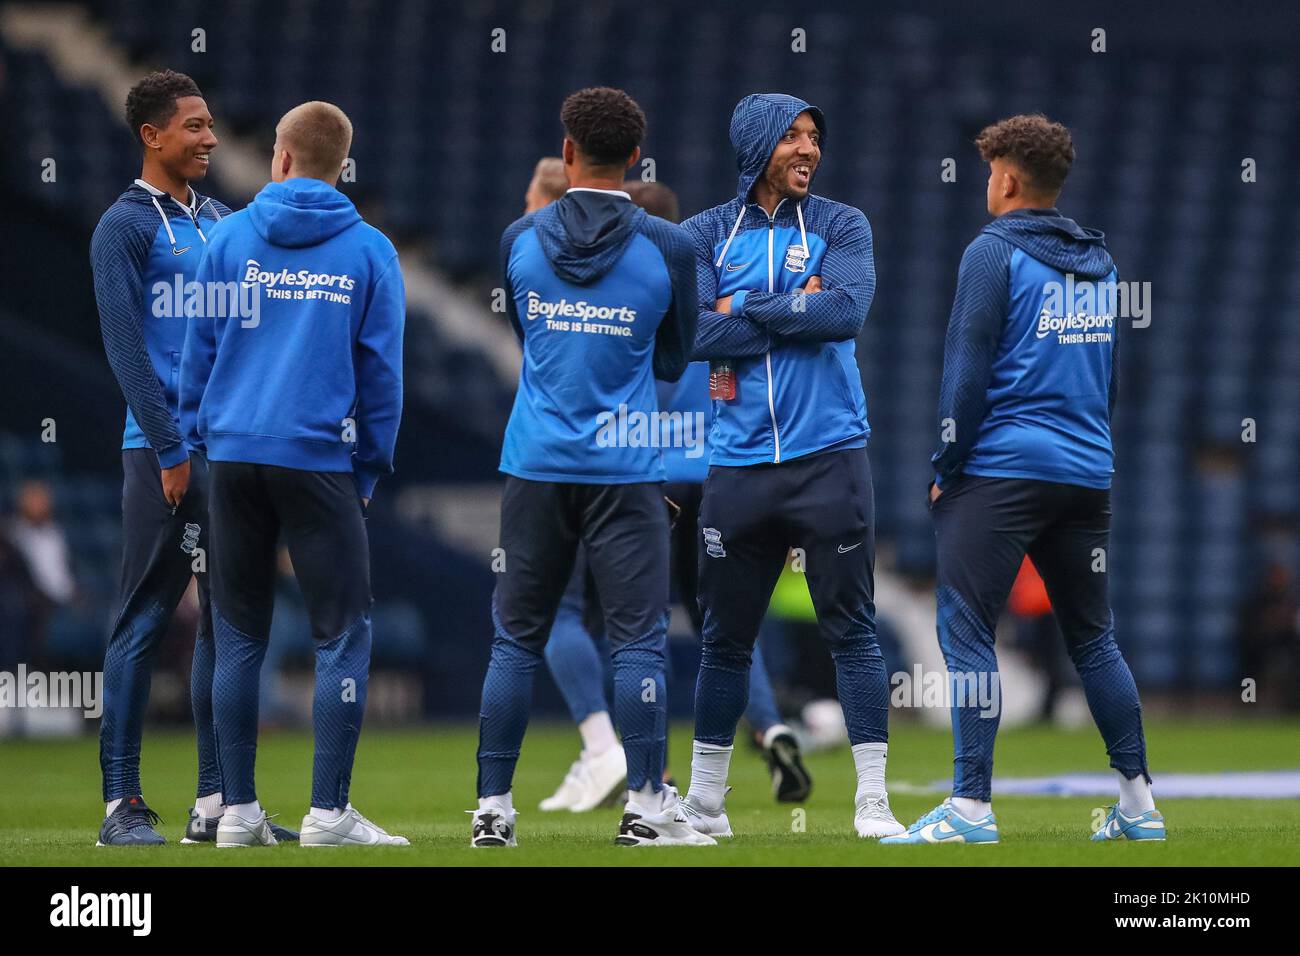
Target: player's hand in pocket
column 175, row 482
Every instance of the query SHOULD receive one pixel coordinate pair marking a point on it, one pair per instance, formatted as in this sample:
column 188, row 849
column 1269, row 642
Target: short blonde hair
column 551, row 178
column 318, row 135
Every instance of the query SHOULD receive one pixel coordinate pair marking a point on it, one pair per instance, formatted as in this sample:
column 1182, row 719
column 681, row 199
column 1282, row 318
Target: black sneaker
column 791, row 782
column 131, row 824
column 283, row 834
column 200, row 829
column 203, row 829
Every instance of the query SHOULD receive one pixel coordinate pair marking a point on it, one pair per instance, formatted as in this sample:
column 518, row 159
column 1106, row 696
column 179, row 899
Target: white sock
column 246, row 811
column 502, row 801
column 972, row 810
column 647, row 799
column 1135, row 796
column 709, row 765
column 209, row 806
column 326, row 816
column 870, row 762
column 597, row 733
column 111, row 806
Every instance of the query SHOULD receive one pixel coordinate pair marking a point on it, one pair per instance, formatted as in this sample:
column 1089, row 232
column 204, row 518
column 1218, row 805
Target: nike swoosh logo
column 938, row 832
column 180, row 252
column 731, row 268
column 844, row 550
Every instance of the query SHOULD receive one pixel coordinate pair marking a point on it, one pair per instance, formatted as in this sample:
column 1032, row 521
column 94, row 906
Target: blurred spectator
column 42, row 543
column 1269, row 639
column 39, row 539
column 18, row 599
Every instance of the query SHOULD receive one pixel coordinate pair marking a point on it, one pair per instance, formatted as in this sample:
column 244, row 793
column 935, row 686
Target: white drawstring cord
column 727, row 245
column 803, row 236
column 171, row 236
column 197, row 227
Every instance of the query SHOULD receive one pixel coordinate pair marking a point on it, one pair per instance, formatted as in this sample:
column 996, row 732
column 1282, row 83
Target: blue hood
column 584, row 233
column 757, row 125
column 1055, row 240
column 301, row 212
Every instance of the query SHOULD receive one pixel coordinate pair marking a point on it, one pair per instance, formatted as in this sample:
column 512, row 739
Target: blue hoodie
column 689, row 397
column 1030, row 371
column 314, row 380
column 798, row 388
column 602, row 297
column 145, row 247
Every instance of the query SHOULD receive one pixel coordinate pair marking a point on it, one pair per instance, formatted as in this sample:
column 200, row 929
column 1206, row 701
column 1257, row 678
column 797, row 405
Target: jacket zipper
column 771, row 287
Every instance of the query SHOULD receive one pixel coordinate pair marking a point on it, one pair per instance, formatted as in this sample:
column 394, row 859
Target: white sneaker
column 591, row 782
column 568, row 792
column 714, row 823
column 873, row 818
column 492, row 826
column 602, row 779
column 667, row 826
column 234, row 830
column 350, row 829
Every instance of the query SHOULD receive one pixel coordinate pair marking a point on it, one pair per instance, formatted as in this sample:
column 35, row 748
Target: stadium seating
column 448, row 132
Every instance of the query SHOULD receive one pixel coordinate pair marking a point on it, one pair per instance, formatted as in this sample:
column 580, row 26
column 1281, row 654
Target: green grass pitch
column 419, row 783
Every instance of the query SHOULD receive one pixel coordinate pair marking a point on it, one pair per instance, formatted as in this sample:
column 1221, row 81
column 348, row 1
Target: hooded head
column 301, row 212
column 758, row 126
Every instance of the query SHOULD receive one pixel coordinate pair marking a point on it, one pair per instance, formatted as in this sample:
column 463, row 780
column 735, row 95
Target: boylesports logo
column 254, row 274
column 582, row 310
column 1073, row 328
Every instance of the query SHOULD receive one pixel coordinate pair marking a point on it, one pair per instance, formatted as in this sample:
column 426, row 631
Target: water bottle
column 722, row 380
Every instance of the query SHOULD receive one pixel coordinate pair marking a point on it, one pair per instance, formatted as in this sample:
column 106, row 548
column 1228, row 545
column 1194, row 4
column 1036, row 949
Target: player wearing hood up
column 1029, row 382
column 785, row 279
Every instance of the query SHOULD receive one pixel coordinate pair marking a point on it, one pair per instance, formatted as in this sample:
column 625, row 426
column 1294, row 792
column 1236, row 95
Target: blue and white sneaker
column 944, row 824
column 1118, row 826
column 131, row 824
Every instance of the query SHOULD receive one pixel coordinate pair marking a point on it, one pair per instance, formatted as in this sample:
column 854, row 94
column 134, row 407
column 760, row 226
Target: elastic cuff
column 173, row 456
column 365, row 480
